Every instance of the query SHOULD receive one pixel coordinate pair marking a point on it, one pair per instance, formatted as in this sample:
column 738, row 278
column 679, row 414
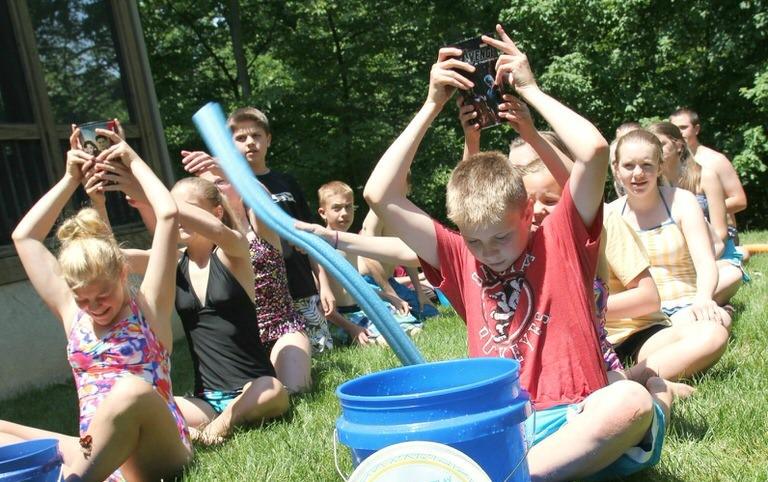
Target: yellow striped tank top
column 671, row 264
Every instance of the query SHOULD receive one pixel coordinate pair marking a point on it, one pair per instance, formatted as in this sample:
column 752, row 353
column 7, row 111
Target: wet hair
column 690, row 170
column 331, row 189
column 692, row 115
column 208, row 191
column 89, row 251
column 244, row 114
column 482, row 188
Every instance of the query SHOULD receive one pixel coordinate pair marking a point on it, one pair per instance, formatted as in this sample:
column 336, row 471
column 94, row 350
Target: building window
column 67, row 62
column 76, row 43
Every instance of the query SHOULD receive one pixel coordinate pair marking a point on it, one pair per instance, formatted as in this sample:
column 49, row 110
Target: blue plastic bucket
column 33, row 460
column 474, row 405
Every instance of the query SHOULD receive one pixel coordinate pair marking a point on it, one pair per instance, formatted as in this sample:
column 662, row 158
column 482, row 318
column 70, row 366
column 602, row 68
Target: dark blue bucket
column 33, row 460
column 475, row 405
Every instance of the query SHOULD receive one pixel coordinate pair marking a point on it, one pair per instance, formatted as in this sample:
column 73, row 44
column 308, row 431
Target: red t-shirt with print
column 540, row 311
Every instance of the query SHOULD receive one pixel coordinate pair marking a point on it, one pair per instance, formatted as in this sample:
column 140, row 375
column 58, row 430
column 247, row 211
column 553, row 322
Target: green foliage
column 79, row 60
column 641, row 59
column 339, row 81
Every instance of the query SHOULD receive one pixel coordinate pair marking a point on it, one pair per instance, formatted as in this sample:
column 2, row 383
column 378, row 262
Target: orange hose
column 756, row 248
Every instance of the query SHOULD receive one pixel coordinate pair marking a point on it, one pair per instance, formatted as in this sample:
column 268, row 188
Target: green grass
column 721, row 433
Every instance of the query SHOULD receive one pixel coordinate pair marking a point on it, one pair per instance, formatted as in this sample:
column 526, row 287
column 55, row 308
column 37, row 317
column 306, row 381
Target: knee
column 128, row 393
column 272, row 395
column 713, row 336
column 278, row 396
column 628, row 404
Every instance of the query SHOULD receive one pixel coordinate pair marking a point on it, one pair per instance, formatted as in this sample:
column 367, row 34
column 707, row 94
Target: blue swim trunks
column 734, row 256
column 219, row 399
column 646, row 454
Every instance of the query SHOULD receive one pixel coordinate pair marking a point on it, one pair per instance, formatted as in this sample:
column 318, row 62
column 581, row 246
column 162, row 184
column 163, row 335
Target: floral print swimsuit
column 129, row 347
column 274, row 306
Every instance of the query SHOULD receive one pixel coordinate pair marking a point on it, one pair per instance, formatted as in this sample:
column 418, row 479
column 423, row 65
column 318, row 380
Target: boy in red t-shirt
column 526, row 295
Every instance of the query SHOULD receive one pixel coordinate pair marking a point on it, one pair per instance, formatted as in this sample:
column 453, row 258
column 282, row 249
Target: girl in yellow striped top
column 672, row 229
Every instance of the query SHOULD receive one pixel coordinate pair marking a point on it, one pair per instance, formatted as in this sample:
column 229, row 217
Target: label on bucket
column 422, row 461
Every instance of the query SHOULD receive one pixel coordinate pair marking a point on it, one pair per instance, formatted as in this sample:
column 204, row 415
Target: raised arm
column 198, row 220
column 383, row 248
column 385, row 190
column 519, row 116
column 157, row 290
column 41, row 266
column 589, row 148
column 115, row 176
column 470, row 128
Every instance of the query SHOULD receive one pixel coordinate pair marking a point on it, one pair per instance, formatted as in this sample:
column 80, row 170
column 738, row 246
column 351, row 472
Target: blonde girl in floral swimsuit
column 119, row 345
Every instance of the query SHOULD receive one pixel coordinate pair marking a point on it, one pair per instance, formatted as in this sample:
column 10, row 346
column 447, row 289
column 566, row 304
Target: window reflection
column 22, row 182
column 78, row 50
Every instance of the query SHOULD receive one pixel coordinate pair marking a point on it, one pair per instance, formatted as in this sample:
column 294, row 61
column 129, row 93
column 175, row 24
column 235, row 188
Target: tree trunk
column 237, row 48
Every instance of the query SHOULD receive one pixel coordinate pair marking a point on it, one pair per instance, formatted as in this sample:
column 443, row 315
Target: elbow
column 601, row 150
column 654, row 300
column 650, row 293
column 722, row 235
column 373, row 195
column 169, row 214
column 370, row 195
column 18, row 235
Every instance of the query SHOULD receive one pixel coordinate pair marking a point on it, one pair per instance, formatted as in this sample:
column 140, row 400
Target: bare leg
column 614, row 419
column 662, row 392
column 69, row 446
column 729, row 282
column 292, row 358
column 680, row 351
column 134, row 430
column 261, row 399
column 198, row 413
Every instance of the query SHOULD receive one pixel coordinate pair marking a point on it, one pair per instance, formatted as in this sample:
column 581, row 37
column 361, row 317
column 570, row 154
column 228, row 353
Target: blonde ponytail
column 89, row 251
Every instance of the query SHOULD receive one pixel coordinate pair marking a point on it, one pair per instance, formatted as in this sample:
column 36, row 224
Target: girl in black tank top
column 214, row 299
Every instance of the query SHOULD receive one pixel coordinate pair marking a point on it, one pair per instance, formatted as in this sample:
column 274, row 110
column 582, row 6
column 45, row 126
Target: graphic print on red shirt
column 540, row 311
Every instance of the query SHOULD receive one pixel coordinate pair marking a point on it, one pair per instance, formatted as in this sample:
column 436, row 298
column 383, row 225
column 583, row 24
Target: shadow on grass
column 693, row 425
column 656, row 474
column 725, row 370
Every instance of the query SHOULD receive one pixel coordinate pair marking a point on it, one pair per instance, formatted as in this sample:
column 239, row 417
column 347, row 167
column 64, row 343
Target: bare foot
column 681, row 390
column 203, row 437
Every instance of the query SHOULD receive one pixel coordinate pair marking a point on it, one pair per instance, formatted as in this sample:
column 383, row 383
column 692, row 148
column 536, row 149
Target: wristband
column 336, row 241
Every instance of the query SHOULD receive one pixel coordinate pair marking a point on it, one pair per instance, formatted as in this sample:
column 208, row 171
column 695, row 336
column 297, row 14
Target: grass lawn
column 721, row 433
